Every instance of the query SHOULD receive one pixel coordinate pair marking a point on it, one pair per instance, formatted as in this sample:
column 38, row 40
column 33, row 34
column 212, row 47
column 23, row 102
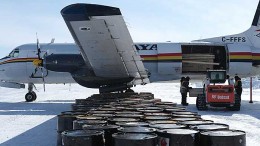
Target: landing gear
column 31, row 95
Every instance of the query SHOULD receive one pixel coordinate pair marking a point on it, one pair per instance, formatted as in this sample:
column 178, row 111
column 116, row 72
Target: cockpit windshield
column 14, row 53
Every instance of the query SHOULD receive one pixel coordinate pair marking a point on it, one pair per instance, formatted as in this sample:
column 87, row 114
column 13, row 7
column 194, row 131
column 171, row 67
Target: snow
column 31, row 124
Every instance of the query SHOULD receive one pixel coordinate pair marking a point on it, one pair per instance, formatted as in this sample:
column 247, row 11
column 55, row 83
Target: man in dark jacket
column 238, row 85
column 184, row 90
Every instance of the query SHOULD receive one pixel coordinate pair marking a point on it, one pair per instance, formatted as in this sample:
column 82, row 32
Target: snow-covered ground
column 34, row 124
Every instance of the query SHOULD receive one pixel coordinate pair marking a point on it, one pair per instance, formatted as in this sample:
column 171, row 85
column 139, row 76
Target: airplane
column 105, row 57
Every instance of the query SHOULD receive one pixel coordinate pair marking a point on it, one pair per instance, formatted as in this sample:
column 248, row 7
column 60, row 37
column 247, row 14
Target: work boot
column 185, row 104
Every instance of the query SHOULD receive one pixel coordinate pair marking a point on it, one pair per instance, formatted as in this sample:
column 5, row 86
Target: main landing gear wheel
column 31, row 96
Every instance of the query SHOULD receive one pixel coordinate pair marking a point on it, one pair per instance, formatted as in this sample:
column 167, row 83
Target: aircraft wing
column 104, row 41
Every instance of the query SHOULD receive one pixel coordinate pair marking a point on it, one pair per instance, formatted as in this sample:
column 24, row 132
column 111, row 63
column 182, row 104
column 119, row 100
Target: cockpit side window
column 14, row 53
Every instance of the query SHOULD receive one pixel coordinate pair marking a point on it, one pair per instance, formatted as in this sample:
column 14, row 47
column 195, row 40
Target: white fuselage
column 164, row 61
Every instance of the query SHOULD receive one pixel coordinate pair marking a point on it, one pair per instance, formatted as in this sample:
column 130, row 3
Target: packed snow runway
column 34, row 124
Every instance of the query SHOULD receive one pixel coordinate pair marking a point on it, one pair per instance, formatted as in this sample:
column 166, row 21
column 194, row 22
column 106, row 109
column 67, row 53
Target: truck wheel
column 237, row 104
column 201, row 102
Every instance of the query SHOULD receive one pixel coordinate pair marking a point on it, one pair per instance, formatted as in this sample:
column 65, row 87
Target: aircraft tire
column 29, row 97
column 201, row 102
column 35, row 96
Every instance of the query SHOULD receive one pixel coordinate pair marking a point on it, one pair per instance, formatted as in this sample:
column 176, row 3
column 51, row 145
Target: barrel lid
column 167, row 126
column 78, row 133
column 108, row 109
column 162, row 122
column 136, row 129
column 89, row 118
column 123, row 119
column 157, row 118
column 150, row 110
column 128, row 112
column 185, row 119
column 100, row 112
column 212, row 126
column 132, row 124
column 91, row 122
column 129, row 115
column 157, row 114
column 178, row 131
column 134, row 136
column 103, row 115
column 184, row 113
column 196, row 122
column 99, row 127
column 223, row 133
column 174, row 109
column 166, row 103
column 185, row 116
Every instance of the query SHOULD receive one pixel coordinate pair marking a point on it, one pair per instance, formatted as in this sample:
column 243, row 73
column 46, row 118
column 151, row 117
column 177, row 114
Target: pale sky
column 147, row 20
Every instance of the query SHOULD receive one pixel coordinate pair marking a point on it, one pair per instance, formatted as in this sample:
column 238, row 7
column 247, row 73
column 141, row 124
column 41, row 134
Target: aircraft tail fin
column 257, row 16
column 250, row 37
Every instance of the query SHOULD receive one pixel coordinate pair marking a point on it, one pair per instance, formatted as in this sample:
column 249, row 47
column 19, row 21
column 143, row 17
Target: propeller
column 38, row 63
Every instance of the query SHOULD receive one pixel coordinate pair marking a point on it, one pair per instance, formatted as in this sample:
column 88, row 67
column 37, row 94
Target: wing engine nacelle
column 63, row 62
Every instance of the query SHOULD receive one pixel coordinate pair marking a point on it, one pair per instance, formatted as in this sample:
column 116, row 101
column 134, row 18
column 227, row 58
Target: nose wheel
column 31, row 95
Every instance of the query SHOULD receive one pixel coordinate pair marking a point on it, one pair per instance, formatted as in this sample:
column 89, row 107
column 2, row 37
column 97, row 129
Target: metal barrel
column 136, row 129
column 165, row 104
column 108, row 131
column 186, row 119
column 77, row 124
column 59, row 139
column 157, row 114
column 100, row 112
column 209, row 127
column 65, row 122
column 186, row 116
column 137, row 116
column 184, row 113
column 170, row 110
column 79, row 107
column 105, row 116
column 162, row 122
column 195, row 122
column 115, row 120
column 128, row 112
column 150, row 110
column 167, row 126
column 178, row 137
column 132, row 124
column 134, row 139
column 82, row 138
column 223, row 138
column 154, row 118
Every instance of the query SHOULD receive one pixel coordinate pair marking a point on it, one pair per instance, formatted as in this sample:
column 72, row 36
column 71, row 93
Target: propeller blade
column 38, row 48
